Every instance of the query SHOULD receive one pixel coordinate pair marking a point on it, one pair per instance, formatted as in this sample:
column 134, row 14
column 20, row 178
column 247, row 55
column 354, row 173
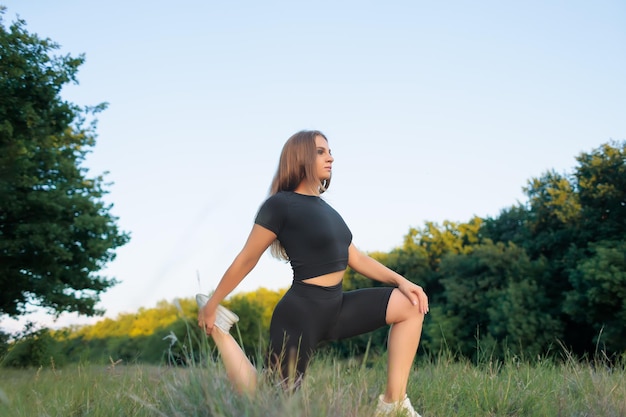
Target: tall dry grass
column 438, row 387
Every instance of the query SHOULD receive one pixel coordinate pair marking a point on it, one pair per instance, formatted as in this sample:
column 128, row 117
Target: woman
column 303, row 228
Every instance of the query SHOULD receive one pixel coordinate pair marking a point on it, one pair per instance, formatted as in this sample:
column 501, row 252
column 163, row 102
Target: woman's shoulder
column 281, row 196
column 279, row 199
column 274, row 211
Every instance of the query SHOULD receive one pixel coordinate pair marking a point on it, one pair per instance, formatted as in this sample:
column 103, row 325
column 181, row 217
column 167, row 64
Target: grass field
column 440, row 387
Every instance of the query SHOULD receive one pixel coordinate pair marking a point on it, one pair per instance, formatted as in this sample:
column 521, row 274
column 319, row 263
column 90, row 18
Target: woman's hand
column 206, row 318
column 415, row 294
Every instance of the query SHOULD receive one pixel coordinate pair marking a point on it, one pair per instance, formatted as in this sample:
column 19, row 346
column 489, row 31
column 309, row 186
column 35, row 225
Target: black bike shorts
column 309, row 314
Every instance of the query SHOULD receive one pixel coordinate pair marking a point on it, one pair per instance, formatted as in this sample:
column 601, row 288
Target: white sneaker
column 224, row 318
column 400, row 408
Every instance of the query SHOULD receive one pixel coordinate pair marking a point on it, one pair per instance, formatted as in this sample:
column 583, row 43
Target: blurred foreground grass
column 440, row 387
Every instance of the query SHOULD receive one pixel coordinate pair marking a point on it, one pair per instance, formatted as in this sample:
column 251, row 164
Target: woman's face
column 324, row 160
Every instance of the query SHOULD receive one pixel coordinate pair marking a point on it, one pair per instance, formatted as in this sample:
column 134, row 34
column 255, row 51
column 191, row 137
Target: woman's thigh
column 299, row 322
column 362, row 311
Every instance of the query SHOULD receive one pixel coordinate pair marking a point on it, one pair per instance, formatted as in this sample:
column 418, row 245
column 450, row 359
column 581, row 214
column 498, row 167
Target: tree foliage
column 598, row 293
column 576, row 224
column 493, row 293
column 56, row 232
column 601, row 185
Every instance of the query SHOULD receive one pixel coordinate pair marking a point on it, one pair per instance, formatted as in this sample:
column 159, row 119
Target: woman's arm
column 371, row 268
column 258, row 241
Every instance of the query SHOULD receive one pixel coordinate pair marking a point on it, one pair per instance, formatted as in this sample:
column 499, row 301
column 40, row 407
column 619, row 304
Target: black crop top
column 313, row 234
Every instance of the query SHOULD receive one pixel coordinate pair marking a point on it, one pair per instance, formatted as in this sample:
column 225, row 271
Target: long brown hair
column 297, row 164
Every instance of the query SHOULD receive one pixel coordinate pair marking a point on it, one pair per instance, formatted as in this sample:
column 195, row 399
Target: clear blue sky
column 434, row 111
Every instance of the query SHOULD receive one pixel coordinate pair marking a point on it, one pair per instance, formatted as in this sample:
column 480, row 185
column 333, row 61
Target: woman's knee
column 401, row 309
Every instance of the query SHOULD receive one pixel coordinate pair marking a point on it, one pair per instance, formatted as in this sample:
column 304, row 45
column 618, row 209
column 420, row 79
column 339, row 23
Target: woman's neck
column 305, row 189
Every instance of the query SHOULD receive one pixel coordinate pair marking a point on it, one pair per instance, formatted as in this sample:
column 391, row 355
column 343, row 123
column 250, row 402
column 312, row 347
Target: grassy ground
column 441, row 387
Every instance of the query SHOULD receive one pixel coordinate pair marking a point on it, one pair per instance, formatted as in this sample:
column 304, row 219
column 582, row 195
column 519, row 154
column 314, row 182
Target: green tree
column 568, row 220
column 594, row 265
column 493, row 293
column 511, row 225
column 554, row 215
column 598, row 294
column 554, row 219
column 4, row 343
column 437, row 241
column 601, row 183
column 33, row 348
column 56, row 233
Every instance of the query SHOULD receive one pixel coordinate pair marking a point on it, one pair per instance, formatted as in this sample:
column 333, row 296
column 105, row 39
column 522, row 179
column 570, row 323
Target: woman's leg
column 241, row 373
column 368, row 309
column 404, row 337
column 298, row 321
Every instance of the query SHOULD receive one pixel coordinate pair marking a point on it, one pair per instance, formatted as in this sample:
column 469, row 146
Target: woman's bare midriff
column 327, row 280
